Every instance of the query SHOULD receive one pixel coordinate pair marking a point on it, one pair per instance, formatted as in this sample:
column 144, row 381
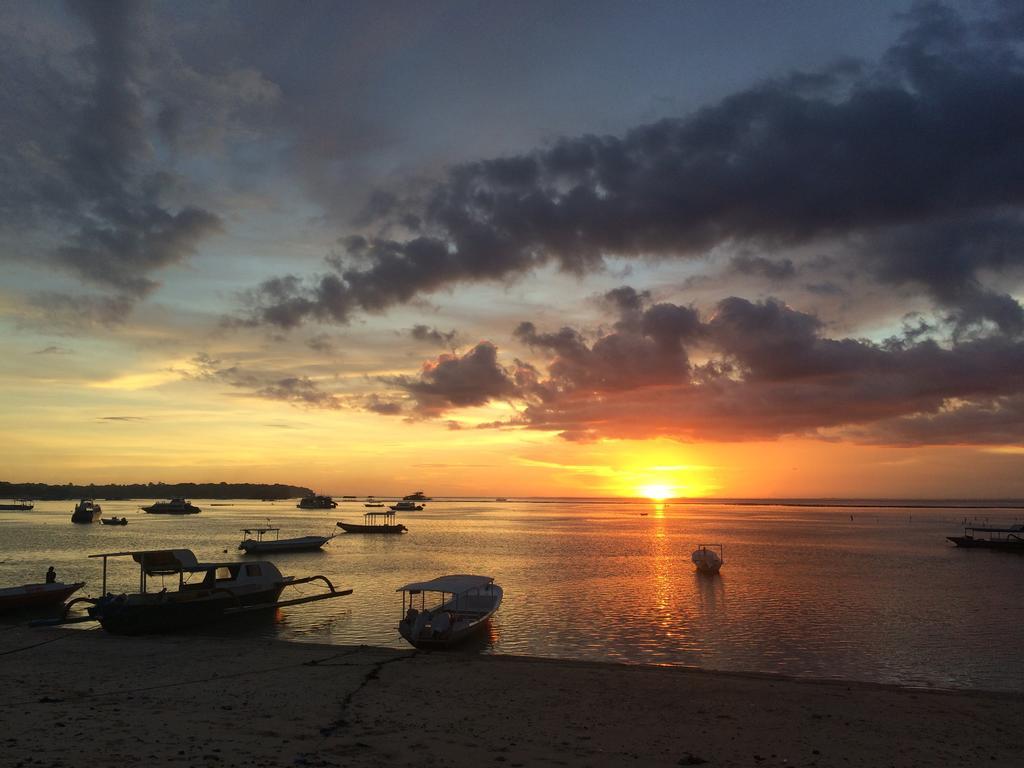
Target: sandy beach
column 87, row 698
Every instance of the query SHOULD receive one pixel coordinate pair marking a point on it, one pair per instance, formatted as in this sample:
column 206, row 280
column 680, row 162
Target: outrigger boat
column 473, row 600
column 1010, row 539
column 20, row 505
column 261, row 544
column 36, row 595
column 707, row 559
column 375, row 522
column 205, row 592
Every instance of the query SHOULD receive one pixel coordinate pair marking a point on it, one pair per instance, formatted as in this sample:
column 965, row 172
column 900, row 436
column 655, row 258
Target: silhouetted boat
column 375, row 522
column 417, row 496
column 405, row 506
column 114, row 521
column 1010, row 539
column 19, row 505
column 36, row 595
column 317, row 502
column 473, row 600
column 173, row 507
column 374, row 504
column 86, row 511
column 707, row 559
column 262, row 544
column 206, row 592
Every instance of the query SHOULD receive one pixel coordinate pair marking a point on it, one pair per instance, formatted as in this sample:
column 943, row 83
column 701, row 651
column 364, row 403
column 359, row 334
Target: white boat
column 707, row 559
column 205, row 592
column 466, row 603
column 405, row 506
column 252, row 546
column 86, row 511
column 173, row 507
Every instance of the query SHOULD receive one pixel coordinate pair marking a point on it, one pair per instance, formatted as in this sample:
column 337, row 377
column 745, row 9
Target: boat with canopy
column 709, row 558
column 466, row 603
column 262, row 543
column 374, row 522
column 198, row 593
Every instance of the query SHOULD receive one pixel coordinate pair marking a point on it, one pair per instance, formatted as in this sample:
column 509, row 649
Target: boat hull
column 88, row 516
column 16, row 507
column 1003, row 545
column 460, row 632
column 159, row 614
column 356, row 528
column 114, row 521
column 36, row 595
column 158, row 511
column 304, row 544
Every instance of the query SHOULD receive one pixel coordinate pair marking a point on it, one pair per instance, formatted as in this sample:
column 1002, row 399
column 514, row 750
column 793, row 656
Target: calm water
column 805, row 591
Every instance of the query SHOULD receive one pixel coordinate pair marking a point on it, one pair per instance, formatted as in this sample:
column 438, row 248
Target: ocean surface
column 862, row 593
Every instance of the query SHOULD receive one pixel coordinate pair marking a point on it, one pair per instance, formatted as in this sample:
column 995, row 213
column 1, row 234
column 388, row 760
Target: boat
column 471, row 601
column 501, row 498
column 36, row 595
column 18, row 505
column 417, row 496
column 260, row 544
column 205, row 592
column 317, row 502
column 405, row 506
column 86, row 511
column 707, row 559
column 374, row 504
column 173, row 507
column 1008, row 539
column 375, row 522
column 114, row 520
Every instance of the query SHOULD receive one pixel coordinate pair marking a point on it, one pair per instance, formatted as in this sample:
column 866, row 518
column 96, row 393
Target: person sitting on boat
column 441, row 623
column 410, row 616
column 421, row 623
column 51, row 576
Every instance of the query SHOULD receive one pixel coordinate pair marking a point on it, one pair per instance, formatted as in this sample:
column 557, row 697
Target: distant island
column 44, row 492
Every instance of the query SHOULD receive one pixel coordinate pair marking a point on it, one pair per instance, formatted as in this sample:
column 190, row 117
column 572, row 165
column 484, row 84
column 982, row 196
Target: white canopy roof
column 456, row 584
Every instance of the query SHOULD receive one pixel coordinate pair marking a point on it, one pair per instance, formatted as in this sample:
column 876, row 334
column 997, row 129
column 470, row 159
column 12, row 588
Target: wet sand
column 78, row 698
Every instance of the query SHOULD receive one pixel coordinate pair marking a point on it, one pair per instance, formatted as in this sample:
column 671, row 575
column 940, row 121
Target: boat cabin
column 196, row 576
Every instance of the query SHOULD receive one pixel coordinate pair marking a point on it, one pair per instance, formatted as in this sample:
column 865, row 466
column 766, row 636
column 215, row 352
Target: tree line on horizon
column 45, row 491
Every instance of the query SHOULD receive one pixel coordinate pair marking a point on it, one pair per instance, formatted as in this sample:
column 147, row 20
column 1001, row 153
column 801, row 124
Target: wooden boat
column 114, row 520
column 317, row 502
column 36, row 595
column 19, row 505
column 86, row 511
column 405, row 506
column 707, row 559
column 173, row 507
column 1010, row 539
column 467, row 602
column 374, row 504
column 205, row 592
column 374, row 522
column 262, row 544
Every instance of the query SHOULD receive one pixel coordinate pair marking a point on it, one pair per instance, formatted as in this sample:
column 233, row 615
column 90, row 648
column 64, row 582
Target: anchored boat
column 317, row 502
column 375, row 522
column 19, row 505
column 86, row 511
column 173, row 507
column 467, row 602
column 1010, row 539
column 262, row 544
column 114, row 520
column 405, row 506
column 707, row 559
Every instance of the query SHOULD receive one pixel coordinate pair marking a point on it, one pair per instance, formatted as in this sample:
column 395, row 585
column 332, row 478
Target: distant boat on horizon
column 173, row 507
column 86, row 511
column 317, row 502
column 417, row 496
column 18, row 505
column 405, row 506
column 1009, row 539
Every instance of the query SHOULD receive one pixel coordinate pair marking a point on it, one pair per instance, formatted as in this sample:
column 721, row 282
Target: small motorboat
column 173, row 507
column 18, row 505
column 205, row 592
column 253, row 546
column 707, row 559
column 86, row 511
column 114, row 520
column 405, row 506
column 317, row 502
column 375, row 522
column 467, row 602
column 36, row 595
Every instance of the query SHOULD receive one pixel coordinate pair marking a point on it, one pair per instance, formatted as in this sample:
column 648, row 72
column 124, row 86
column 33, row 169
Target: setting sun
column 656, row 492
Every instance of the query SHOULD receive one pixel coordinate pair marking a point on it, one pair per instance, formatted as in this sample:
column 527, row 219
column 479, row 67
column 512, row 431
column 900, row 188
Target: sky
column 728, row 249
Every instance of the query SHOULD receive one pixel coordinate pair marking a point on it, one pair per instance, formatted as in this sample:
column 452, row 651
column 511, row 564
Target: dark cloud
column 76, row 314
column 870, row 154
column 121, row 418
column 432, row 335
column 53, row 350
column 375, row 404
column 297, row 390
column 454, row 381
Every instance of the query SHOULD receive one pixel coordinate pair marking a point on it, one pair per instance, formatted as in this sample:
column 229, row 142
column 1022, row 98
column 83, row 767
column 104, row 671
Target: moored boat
column 374, row 522
column 1008, row 539
column 18, row 505
column 36, row 595
column 261, row 543
column 416, row 496
column 707, row 559
column 205, row 592
column 173, row 507
column 114, row 520
column 317, row 502
column 405, row 506
column 86, row 511
column 467, row 602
